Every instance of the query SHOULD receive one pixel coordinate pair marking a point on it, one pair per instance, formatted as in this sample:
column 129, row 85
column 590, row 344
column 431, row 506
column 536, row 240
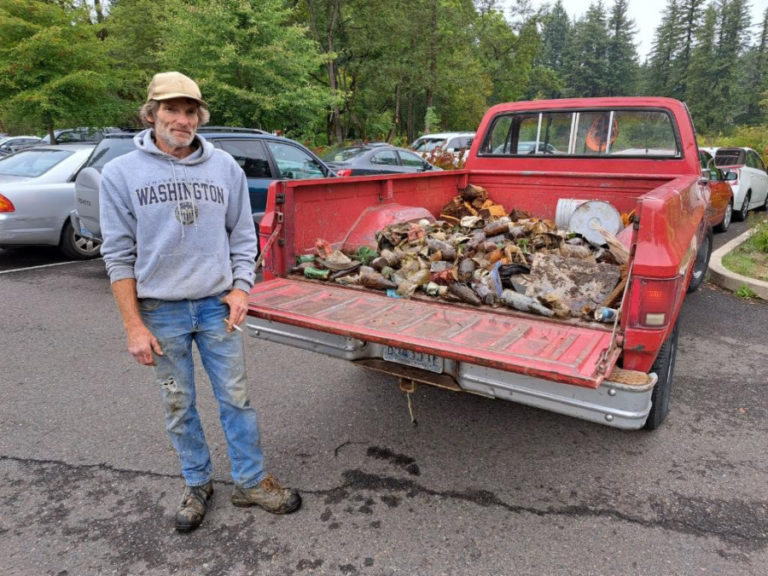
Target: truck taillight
column 652, row 302
column 6, row 205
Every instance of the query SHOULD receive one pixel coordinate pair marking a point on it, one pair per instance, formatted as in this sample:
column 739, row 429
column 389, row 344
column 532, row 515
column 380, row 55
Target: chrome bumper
column 613, row 403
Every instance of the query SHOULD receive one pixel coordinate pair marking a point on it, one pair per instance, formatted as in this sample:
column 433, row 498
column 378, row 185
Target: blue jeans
column 176, row 324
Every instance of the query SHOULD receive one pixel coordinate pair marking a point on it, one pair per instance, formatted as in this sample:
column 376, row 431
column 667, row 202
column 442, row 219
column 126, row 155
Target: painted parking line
column 47, row 266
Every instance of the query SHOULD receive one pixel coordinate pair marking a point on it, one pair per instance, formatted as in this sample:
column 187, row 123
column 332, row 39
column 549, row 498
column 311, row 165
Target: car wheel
column 764, row 207
column 741, row 215
column 664, row 367
column 76, row 246
column 726, row 221
column 702, row 262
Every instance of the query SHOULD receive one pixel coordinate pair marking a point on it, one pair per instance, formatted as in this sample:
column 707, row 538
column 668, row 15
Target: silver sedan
column 37, row 195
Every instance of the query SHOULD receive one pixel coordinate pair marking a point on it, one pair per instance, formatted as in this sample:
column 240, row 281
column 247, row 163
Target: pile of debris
column 478, row 254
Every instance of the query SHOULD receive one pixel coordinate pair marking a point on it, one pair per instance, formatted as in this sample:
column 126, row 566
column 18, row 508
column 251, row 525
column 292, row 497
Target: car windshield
column 108, row 149
column 346, row 154
column 32, row 163
column 729, row 157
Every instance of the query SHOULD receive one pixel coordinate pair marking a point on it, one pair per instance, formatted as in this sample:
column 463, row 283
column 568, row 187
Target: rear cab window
column 602, row 132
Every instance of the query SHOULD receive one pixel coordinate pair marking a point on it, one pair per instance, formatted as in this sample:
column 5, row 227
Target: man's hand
column 237, row 300
column 141, row 344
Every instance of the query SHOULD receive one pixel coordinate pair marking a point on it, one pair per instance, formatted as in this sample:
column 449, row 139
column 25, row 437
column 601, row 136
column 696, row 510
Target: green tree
column 621, row 52
column 54, row 69
column 587, row 57
column 548, row 76
column 668, row 38
column 703, row 76
column 254, row 66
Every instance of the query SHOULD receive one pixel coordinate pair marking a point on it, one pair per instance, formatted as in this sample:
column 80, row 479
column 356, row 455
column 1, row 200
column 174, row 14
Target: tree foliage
column 54, row 69
column 335, row 70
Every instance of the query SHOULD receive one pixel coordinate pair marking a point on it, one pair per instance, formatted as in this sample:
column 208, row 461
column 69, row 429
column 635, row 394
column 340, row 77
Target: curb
column 724, row 278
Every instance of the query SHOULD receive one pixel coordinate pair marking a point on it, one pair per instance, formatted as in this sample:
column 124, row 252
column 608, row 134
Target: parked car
column 12, row 144
column 720, row 209
column 456, row 143
column 526, row 147
column 82, row 134
column 376, row 158
column 447, row 141
column 748, row 178
column 262, row 156
column 37, row 195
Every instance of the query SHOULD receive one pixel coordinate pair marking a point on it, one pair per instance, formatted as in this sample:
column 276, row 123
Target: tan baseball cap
column 167, row 85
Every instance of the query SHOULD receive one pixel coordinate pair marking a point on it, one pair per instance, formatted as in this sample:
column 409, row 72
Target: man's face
column 176, row 123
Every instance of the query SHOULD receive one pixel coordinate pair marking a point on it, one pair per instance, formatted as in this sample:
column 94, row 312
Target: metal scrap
column 478, row 254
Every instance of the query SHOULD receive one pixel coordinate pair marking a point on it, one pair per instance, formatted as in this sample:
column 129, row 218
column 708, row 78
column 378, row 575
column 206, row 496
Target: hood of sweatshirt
column 203, row 149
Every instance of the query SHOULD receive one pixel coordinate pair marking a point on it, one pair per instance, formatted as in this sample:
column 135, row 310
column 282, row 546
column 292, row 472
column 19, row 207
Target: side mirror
column 706, row 176
column 731, row 176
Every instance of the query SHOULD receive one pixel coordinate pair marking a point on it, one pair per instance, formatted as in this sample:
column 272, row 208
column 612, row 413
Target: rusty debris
column 478, row 254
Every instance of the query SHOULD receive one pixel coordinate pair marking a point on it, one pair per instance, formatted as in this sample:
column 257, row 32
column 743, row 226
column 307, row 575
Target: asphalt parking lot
column 89, row 482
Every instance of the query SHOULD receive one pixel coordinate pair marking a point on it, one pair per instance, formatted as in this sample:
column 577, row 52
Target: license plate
column 415, row 359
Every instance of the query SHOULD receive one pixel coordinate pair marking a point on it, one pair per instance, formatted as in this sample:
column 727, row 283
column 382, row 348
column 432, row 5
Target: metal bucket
column 595, row 212
column 564, row 210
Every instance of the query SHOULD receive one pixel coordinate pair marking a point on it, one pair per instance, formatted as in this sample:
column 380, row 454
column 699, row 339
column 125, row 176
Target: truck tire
column 664, row 367
column 702, row 262
column 77, row 247
column 741, row 214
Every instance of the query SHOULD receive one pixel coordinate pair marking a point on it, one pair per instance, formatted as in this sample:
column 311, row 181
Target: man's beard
column 165, row 134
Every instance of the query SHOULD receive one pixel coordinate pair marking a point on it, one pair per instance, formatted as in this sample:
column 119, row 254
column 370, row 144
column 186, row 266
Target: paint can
column 587, row 215
column 564, row 210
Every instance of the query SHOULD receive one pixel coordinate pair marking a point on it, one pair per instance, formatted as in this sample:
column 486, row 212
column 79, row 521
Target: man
column 179, row 247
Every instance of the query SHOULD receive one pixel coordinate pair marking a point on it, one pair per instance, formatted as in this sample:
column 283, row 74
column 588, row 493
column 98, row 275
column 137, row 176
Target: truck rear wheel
column 702, row 262
column 664, row 367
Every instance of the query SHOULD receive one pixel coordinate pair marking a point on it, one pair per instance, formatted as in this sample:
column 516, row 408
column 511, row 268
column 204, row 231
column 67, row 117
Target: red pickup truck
column 638, row 154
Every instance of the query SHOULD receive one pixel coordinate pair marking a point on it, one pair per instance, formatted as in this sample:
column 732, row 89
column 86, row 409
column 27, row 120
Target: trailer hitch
column 409, row 387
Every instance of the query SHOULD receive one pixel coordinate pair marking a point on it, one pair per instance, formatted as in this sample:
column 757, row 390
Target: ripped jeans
column 176, row 324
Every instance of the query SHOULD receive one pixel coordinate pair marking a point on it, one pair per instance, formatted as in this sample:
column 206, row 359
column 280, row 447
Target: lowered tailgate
column 562, row 352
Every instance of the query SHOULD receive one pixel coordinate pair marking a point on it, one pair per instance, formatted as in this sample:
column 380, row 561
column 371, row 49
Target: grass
column 750, row 259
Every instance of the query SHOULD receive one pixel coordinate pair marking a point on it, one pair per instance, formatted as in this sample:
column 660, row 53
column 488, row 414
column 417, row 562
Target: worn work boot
column 269, row 495
column 193, row 506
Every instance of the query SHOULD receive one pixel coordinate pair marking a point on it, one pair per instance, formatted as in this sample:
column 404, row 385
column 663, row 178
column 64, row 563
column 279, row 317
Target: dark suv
column 262, row 156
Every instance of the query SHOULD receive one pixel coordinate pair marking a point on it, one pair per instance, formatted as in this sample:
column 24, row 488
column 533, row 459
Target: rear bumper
column 74, row 219
column 613, row 404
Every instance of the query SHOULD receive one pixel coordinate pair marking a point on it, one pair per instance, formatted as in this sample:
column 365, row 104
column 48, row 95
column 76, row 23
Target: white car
column 37, row 193
column 457, row 143
column 11, row 144
column 748, row 178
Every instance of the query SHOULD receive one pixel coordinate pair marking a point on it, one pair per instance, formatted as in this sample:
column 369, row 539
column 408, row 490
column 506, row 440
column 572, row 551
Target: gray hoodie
column 182, row 228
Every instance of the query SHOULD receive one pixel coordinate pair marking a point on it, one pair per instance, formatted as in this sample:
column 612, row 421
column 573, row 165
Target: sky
column 645, row 13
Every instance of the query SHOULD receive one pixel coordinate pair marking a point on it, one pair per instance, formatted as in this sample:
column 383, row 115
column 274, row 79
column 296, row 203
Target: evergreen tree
column 621, row 52
column 587, row 59
column 667, row 39
column 550, row 62
column 732, row 38
column 702, row 75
